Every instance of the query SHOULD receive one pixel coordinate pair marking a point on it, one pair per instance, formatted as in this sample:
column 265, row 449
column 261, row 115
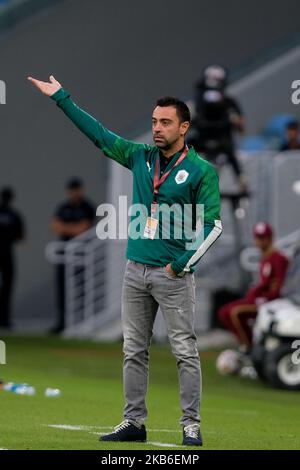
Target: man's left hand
column 170, row 270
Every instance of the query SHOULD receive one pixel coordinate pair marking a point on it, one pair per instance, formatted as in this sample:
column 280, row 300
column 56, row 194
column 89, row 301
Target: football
column 228, row 362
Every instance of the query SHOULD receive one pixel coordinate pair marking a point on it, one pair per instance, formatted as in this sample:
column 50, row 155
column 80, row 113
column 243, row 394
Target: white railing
column 93, row 274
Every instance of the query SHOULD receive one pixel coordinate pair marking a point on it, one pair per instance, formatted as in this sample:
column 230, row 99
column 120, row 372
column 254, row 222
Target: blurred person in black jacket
column 73, row 217
column 218, row 117
column 11, row 232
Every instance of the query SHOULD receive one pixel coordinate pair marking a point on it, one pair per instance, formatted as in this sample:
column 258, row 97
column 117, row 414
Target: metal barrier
column 93, row 278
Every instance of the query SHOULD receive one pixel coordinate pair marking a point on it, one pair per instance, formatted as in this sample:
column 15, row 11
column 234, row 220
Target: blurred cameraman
column 218, row 117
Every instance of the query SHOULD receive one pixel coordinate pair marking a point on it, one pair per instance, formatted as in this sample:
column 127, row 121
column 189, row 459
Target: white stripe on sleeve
column 212, row 237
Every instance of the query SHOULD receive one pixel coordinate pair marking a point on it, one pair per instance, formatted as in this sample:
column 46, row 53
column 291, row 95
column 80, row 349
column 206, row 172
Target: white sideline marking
column 163, row 444
column 69, row 427
column 79, row 427
column 3, row 448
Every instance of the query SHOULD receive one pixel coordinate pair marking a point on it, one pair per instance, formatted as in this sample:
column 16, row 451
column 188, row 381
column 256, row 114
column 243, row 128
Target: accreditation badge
column 150, row 228
column 151, row 223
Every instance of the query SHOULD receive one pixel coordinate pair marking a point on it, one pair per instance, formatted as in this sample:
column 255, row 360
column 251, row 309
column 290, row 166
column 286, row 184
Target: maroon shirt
column 272, row 272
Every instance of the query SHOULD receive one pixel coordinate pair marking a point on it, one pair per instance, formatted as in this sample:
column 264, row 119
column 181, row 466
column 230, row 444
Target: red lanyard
column 159, row 182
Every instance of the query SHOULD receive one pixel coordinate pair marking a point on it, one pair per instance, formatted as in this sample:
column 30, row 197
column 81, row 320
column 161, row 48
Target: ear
column 184, row 126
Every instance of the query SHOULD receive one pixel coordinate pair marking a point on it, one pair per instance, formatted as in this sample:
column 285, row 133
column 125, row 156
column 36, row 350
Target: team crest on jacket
column 181, row 176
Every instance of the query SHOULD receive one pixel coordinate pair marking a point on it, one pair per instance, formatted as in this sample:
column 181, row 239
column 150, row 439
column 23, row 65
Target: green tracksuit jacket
column 194, row 181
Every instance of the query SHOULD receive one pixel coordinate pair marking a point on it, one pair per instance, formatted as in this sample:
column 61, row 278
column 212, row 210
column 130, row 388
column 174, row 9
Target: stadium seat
column 255, row 142
column 276, row 126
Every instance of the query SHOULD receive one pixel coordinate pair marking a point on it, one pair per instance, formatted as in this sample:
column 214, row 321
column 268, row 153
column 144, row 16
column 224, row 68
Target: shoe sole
column 195, row 445
column 116, row 440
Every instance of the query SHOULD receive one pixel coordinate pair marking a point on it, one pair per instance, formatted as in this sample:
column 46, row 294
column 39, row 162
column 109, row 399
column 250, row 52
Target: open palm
column 47, row 88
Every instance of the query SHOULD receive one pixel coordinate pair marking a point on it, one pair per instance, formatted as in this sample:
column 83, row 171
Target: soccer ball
column 228, row 362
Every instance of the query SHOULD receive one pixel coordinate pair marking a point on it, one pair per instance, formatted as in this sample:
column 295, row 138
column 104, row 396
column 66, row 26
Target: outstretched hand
column 47, row 88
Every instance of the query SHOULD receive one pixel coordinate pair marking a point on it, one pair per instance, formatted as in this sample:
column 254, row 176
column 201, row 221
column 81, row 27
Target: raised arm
column 112, row 145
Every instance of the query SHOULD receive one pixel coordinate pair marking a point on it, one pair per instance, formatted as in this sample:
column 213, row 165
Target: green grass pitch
column 236, row 413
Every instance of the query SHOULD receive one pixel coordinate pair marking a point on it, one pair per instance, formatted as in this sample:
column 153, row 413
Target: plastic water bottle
column 52, row 392
column 24, row 389
column 19, row 389
column 30, row 391
column 10, row 386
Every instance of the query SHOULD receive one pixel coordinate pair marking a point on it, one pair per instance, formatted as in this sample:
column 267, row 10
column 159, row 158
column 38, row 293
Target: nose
column 156, row 127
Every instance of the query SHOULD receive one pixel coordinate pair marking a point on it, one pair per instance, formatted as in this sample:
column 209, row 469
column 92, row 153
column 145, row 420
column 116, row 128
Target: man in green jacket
column 161, row 255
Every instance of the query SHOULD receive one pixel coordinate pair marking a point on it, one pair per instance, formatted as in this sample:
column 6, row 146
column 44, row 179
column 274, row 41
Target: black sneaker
column 126, row 431
column 192, row 435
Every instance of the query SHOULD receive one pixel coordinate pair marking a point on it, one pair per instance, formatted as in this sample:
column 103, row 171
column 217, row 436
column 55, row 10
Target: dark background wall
column 115, row 58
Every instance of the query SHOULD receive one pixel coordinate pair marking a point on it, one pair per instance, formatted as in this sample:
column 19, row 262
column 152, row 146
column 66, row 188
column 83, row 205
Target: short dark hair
column 293, row 125
column 182, row 109
column 7, row 195
column 74, row 183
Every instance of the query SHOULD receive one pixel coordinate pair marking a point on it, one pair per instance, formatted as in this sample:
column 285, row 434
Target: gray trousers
column 144, row 289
